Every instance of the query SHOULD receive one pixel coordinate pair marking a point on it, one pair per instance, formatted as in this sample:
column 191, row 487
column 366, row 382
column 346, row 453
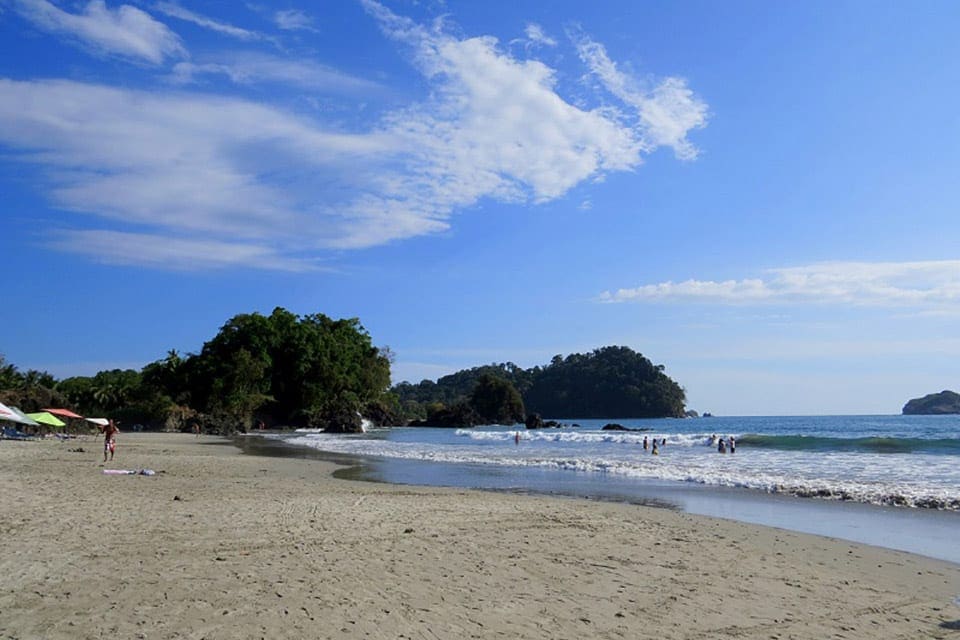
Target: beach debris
column 177, row 498
column 129, row 472
column 408, row 530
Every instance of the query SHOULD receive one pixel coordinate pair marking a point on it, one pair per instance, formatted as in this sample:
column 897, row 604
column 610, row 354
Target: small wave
column 588, row 437
column 889, row 493
column 941, row 446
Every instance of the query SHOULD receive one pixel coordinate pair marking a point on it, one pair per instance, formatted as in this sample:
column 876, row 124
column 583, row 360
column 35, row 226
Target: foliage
column 497, row 401
column 316, row 371
column 610, row 382
column 310, row 370
column 29, row 391
column 305, row 371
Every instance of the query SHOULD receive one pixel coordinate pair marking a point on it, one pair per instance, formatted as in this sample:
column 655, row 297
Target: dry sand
column 223, row 545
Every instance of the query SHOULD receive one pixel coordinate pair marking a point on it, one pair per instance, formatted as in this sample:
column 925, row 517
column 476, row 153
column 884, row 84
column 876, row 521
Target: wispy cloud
column 226, row 169
column 668, row 110
column 176, row 254
column 126, row 32
column 191, row 166
column 536, row 35
column 935, row 282
column 254, row 68
column 293, row 20
column 174, row 10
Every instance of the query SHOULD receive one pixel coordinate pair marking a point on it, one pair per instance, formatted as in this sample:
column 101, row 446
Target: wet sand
column 222, row 545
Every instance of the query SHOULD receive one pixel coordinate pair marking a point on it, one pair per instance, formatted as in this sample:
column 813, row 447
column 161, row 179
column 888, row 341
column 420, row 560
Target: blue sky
column 760, row 196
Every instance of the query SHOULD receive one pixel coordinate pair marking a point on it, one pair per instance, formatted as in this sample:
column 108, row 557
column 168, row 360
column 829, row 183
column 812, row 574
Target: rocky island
column 945, row 402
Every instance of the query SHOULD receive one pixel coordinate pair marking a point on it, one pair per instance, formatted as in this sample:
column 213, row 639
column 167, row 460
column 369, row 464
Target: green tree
column 497, row 401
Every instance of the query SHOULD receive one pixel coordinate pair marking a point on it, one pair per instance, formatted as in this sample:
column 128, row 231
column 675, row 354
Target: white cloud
column 934, row 282
column 126, row 32
column 536, row 35
column 253, row 68
column 293, row 20
column 176, row 11
column 190, row 166
column 222, row 169
column 667, row 112
column 113, row 247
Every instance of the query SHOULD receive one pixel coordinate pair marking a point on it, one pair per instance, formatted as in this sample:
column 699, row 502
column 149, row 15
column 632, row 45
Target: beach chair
column 11, row 433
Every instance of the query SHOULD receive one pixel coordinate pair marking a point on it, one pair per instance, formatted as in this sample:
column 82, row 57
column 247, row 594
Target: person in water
column 655, row 451
column 733, row 445
column 721, row 446
column 644, row 443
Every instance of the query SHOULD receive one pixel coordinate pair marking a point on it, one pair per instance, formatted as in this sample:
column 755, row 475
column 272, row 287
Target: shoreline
column 926, row 532
column 224, row 545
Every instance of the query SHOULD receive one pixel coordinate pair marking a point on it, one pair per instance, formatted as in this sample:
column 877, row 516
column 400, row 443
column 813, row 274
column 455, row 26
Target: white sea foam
column 872, row 478
column 617, row 437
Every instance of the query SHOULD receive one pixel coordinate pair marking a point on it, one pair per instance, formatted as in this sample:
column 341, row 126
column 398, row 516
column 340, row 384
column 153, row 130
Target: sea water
column 897, row 477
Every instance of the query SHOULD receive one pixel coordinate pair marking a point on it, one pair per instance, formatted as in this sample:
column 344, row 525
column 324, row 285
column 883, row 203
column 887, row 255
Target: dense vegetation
column 281, row 369
column 492, row 400
column 289, row 370
column 611, row 382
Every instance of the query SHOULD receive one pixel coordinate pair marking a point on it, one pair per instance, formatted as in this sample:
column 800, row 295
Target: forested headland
column 313, row 371
column 610, row 382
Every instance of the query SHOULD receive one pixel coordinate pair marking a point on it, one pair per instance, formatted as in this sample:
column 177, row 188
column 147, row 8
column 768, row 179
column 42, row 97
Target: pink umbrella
column 66, row 413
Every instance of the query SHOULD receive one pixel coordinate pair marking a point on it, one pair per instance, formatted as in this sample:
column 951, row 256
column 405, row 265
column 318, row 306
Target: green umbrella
column 47, row 418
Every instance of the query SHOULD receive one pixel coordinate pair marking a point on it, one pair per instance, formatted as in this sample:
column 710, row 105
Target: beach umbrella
column 28, row 419
column 64, row 413
column 15, row 415
column 47, row 418
column 98, row 421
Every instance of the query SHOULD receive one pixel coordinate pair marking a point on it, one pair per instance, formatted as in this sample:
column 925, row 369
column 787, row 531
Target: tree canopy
column 315, row 371
column 282, row 368
column 610, row 382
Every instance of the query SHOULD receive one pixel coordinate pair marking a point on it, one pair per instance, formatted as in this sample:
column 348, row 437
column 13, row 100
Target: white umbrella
column 100, row 421
column 15, row 415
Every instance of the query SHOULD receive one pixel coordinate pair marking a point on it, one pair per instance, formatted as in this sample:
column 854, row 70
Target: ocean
column 887, row 480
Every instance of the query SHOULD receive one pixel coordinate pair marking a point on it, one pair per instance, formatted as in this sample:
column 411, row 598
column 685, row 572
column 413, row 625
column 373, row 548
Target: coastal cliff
column 945, row 402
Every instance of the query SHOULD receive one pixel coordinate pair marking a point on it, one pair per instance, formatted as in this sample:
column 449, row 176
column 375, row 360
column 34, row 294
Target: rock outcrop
column 945, row 402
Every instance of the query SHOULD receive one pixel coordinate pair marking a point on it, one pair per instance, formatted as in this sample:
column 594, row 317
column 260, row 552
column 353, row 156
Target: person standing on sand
column 110, row 432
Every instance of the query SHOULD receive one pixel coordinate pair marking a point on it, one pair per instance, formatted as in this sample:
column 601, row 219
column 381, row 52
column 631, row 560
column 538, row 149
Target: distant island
column 943, row 403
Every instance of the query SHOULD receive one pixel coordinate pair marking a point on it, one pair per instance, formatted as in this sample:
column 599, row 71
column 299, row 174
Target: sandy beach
column 223, row 545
